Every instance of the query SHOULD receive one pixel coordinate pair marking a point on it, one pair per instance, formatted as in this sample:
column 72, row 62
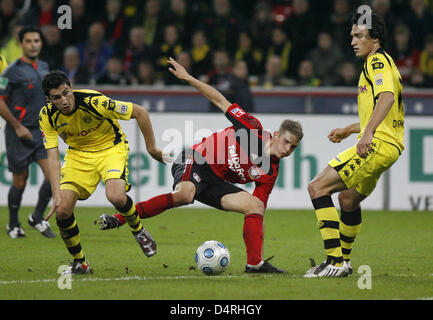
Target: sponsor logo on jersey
column 3, row 83
column 238, row 112
column 378, row 79
column 121, row 108
column 196, row 177
column 234, row 164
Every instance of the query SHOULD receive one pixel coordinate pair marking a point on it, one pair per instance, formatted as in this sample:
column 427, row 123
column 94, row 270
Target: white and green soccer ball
column 212, row 257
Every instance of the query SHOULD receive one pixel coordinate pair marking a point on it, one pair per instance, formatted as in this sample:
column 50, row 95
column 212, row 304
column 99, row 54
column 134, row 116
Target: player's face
column 63, row 98
column 283, row 144
column 31, row 45
column 362, row 43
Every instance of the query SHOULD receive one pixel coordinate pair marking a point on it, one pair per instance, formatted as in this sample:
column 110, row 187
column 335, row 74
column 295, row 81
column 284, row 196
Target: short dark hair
column 54, row 79
column 28, row 29
column 292, row 126
column 378, row 27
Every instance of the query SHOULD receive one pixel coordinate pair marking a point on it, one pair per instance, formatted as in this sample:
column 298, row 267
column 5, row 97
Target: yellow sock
column 70, row 234
column 328, row 222
column 350, row 226
column 131, row 216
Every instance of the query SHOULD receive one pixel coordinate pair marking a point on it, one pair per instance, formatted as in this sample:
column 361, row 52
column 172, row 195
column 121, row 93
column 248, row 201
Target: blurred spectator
column 274, row 76
column 95, row 52
column 325, row 58
column 347, row 75
column 145, row 73
column 170, row 47
column 262, row 25
column 339, row 25
column 12, row 50
column 306, row 76
column 222, row 26
column 406, row 57
column 152, row 22
column 179, row 15
column 240, row 88
column 136, row 50
column 80, row 23
column 7, row 13
column 76, row 73
column 247, row 52
column 200, row 54
column 218, row 77
column 114, row 73
column 184, row 59
column 426, row 59
column 383, row 8
column 420, row 22
column 53, row 46
column 282, row 47
column 44, row 13
column 418, row 80
column 302, row 32
column 115, row 24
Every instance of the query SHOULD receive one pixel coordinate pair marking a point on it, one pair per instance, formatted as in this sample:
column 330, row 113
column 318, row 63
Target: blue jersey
column 21, row 88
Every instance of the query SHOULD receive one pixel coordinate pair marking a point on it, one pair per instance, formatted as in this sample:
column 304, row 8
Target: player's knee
column 64, row 211
column 118, row 200
column 183, row 197
column 313, row 189
column 254, row 206
column 347, row 203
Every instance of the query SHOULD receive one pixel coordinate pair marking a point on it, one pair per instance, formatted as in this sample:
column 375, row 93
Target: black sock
column 14, row 203
column 45, row 195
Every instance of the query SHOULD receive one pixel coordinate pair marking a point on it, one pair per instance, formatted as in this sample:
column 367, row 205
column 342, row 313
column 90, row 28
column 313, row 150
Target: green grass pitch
column 396, row 246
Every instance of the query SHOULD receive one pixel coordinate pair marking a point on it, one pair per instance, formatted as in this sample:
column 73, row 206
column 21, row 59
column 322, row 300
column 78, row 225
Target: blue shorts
column 21, row 153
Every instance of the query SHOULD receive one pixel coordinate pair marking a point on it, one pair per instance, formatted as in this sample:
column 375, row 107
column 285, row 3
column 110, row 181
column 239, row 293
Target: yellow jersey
column 380, row 74
column 91, row 127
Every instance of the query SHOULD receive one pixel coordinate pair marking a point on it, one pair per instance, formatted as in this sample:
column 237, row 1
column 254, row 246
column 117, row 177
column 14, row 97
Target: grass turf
column 396, row 246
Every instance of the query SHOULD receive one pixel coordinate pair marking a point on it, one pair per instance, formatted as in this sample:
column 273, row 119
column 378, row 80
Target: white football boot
column 327, row 270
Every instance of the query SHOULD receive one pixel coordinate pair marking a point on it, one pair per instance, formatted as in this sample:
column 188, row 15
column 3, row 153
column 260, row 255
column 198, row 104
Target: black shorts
column 21, row 153
column 190, row 166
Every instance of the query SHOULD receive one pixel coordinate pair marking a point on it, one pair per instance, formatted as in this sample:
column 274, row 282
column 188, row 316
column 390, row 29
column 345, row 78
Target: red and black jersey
column 236, row 154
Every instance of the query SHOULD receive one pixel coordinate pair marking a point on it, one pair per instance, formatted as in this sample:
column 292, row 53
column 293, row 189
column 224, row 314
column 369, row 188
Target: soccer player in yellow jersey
column 87, row 121
column 355, row 172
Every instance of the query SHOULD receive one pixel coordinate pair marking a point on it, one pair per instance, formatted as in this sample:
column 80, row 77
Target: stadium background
column 299, row 65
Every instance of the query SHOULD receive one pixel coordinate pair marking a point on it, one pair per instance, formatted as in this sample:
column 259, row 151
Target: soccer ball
column 212, row 257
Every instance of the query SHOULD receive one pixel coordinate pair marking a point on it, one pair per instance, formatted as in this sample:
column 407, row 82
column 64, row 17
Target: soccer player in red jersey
column 241, row 153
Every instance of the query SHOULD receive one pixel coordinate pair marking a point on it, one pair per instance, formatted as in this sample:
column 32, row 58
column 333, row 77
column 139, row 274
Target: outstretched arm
column 54, row 174
column 339, row 134
column 210, row 93
column 145, row 125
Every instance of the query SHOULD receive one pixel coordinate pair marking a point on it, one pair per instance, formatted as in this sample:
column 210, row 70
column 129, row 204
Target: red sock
column 151, row 207
column 253, row 238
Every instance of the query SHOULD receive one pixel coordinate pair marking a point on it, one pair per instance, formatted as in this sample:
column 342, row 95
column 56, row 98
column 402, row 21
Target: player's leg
column 115, row 190
column 19, row 180
column 68, row 227
column 36, row 219
column 351, row 220
column 320, row 190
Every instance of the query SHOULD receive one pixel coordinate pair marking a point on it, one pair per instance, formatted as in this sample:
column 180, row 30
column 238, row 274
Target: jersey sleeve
column 6, row 81
column 112, row 109
column 242, row 119
column 263, row 190
column 380, row 72
column 49, row 134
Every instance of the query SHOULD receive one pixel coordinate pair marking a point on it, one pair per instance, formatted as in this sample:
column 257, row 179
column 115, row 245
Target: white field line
column 84, row 278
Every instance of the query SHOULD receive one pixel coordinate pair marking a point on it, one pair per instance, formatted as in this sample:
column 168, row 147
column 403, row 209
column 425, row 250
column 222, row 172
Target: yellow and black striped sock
column 130, row 215
column 70, row 234
column 350, row 226
column 328, row 222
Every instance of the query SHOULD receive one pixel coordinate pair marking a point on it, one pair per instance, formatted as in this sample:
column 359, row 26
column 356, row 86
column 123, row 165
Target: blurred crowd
column 227, row 43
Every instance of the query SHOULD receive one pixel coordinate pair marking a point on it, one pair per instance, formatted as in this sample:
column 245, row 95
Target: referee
column 21, row 98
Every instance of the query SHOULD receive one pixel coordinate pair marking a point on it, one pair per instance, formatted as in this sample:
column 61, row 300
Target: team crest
column 254, row 172
column 121, row 108
column 238, row 112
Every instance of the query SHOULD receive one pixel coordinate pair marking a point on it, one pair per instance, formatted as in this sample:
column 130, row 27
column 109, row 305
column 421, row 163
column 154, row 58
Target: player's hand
column 178, row 70
column 23, row 133
column 337, row 135
column 168, row 157
column 363, row 146
column 54, row 206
